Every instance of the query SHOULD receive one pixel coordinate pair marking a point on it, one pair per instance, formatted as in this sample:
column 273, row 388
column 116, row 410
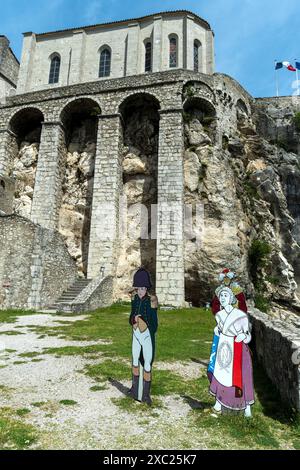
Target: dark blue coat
column 148, row 314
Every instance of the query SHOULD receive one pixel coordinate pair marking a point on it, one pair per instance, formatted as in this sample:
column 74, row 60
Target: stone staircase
column 62, row 303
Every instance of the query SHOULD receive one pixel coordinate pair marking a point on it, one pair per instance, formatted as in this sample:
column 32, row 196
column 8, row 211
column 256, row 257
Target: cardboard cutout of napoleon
column 143, row 319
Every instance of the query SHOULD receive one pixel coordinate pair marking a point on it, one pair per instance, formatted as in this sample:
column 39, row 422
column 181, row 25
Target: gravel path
column 94, row 421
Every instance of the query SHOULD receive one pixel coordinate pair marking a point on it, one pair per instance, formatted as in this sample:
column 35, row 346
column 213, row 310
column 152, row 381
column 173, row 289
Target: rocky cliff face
column 241, row 163
column 77, row 188
column 249, row 186
column 24, row 165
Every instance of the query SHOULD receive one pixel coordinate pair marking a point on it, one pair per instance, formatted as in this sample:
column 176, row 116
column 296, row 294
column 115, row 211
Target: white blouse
column 235, row 323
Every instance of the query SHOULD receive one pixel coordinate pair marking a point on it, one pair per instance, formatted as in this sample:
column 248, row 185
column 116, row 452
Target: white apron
column 224, row 361
column 223, row 371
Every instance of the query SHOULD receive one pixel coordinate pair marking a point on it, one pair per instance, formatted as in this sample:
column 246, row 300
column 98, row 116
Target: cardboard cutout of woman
column 143, row 319
column 228, row 279
column 230, row 367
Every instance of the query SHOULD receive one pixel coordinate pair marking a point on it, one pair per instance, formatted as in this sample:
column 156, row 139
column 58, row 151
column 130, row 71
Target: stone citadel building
column 131, row 114
column 132, row 108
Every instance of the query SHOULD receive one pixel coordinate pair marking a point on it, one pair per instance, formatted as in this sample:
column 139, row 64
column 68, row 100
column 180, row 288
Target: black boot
column 134, row 391
column 146, row 392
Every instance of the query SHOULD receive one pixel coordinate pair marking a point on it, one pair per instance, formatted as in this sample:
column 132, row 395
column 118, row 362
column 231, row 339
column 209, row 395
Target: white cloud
column 98, row 11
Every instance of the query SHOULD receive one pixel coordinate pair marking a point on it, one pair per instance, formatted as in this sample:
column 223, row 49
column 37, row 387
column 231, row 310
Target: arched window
column 197, row 55
column 148, row 56
column 105, row 60
column 173, row 52
column 54, row 69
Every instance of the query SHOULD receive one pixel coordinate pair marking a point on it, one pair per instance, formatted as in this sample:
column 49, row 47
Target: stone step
column 70, row 294
column 66, row 299
column 77, row 289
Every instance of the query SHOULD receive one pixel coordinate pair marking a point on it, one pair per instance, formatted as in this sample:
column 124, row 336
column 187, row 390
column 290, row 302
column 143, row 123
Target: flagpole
column 297, row 78
column 276, row 80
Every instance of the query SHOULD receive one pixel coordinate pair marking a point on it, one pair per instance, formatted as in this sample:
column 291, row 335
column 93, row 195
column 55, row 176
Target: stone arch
column 26, row 126
column 243, row 117
column 27, row 122
column 139, row 153
column 242, row 107
column 200, row 117
column 130, row 96
column 80, row 121
column 197, row 89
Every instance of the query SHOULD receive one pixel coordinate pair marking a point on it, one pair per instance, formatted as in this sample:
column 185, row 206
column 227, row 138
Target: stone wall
column 97, row 294
column 80, row 49
column 245, row 182
column 34, row 264
column 274, row 118
column 7, row 188
column 9, row 69
column 9, row 65
column 277, row 345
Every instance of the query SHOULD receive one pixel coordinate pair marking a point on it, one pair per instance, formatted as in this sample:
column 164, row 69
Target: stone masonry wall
column 277, row 345
column 9, row 66
column 166, row 88
column 125, row 39
column 34, row 264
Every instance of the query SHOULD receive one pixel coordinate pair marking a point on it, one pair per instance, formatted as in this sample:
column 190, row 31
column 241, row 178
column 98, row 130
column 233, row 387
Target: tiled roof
column 174, row 12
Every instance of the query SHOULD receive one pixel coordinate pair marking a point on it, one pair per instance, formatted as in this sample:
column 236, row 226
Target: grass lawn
column 10, row 316
column 14, row 433
column 184, row 338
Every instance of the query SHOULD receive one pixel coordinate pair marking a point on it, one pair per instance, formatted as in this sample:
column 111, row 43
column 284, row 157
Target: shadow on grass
column 196, row 404
column 119, row 386
column 203, row 362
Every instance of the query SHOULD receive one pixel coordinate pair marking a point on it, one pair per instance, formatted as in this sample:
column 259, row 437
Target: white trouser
column 142, row 340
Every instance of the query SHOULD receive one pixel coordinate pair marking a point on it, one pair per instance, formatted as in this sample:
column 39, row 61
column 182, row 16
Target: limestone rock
column 256, row 165
column 196, row 134
column 23, row 206
column 28, row 154
column 86, row 164
column 133, row 165
column 191, row 170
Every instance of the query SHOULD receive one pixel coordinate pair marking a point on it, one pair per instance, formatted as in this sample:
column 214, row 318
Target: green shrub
column 297, row 121
column 262, row 303
column 250, row 189
column 258, row 258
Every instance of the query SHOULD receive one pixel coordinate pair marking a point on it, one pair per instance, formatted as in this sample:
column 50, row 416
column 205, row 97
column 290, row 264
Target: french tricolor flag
column 288, row 65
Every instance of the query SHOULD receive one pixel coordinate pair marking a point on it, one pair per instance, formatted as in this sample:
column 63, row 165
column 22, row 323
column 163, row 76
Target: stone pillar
column 170, row 211
column 210, row 53
column 26, row 64
column 189, row 43
column 8, row 146
column 107, row 186
column 48, row 180
column 157, row 44
column 132, row 60
column 76, row 57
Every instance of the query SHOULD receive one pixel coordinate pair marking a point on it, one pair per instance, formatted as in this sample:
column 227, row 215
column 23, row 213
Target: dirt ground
column 39, row 382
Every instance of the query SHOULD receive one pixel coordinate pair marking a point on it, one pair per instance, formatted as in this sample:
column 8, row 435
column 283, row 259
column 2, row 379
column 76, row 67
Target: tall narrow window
column 105, row 60
column 54, row 69
column 196, row 56
column 173, row 52
column 148, row 57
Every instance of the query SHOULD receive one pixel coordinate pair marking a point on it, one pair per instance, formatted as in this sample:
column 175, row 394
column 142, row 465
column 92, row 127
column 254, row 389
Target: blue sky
column 249, row 34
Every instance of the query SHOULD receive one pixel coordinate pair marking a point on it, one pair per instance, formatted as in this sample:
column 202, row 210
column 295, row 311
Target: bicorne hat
column 142, row 278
